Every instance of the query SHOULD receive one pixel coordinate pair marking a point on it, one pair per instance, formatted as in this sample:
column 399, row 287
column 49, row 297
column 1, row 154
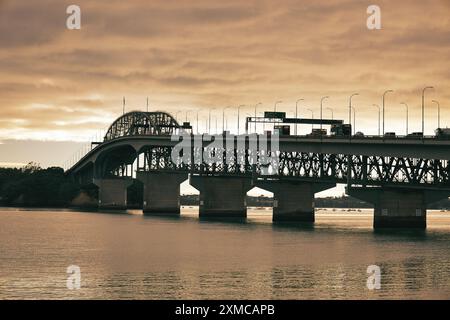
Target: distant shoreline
column 34, row 187
column 252, row 202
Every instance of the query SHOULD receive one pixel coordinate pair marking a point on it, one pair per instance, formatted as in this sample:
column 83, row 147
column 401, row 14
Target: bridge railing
column 84, row 148
column 370, row 137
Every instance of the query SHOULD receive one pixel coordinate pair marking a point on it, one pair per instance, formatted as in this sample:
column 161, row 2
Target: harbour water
column 129, row 256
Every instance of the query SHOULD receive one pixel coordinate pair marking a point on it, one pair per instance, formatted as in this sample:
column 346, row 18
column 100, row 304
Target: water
column 136, row 257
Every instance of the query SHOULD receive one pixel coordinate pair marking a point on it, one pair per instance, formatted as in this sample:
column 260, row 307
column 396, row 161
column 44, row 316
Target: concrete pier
column 222, row 196
column 112, row 193
column 293, row 201
column 398, row 208
column 161, row 192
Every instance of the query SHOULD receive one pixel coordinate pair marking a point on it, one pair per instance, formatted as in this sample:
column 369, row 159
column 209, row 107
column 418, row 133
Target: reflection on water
column 136, row 257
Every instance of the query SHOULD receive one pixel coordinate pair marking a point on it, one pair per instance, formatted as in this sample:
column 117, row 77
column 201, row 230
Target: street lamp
column 321, row 107
column 296, row 113
column 215, row 131
column 209, row 121
column 256, row 106
column 407, row 111
column 423, row 109
column 239, row 107
column 197, row 121
column 354, row 120
column 312, row 115
column 350, row 110
column 384, row 95
column 176, row 115
column 332, row 113
column 186, row 116
column 439, row 112
column 379, row 111
column 275, row 106
column 248, row 115
column 223, row 117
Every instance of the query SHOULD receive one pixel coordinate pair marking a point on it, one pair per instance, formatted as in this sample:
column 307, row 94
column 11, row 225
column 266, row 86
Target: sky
column 61, row 88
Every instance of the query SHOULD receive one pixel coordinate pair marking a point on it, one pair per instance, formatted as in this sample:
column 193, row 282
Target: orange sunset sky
column 59, row 87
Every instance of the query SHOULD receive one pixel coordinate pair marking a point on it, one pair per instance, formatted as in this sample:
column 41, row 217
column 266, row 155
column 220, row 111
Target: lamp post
column 176, row 115
column 423, row 109
column 215, row 131
column 384, row 97
column 296, row 113
column 186, row 116
column 247, row 115
column 321, row 107
column 407, row 116
column 350, row 109
column 239, row 107
column 209, row 121
column 256, row 106
column 312, row 115
column 275, row 105
column 197, row 121
column 223, row 117
column 332, row 113
column 354, row 120
column 439, row 112
column 379, row 111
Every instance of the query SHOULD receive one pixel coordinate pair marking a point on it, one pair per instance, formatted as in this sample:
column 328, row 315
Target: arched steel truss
column 142, row 123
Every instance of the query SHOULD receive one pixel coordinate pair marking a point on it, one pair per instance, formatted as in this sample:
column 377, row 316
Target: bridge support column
column 293, row 201
column 398, row 208
column 222, row 197
column 112, row 193
column 161, row 192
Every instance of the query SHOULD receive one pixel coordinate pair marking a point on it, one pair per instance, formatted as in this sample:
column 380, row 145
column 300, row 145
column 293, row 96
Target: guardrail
column 371, row 137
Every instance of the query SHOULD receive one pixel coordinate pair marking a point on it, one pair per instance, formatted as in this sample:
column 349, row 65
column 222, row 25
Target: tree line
column 36, row 187
column 33, row 186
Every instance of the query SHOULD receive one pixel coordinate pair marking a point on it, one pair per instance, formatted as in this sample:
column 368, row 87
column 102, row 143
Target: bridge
column 399, row 176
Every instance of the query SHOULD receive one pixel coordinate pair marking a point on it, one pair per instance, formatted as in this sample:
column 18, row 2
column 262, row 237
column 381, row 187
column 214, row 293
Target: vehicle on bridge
column 415, row 135
column 442, row 133
column 390, row 135
column 283, row 130
column 317, row 133
column 341, row 130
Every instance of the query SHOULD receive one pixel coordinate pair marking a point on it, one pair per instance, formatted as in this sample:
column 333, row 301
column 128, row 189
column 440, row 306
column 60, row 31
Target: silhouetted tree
column 34, row 186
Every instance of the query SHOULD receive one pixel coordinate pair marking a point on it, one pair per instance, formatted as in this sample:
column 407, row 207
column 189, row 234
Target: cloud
column 12, row 165
column 201, row 54
column 25, row 23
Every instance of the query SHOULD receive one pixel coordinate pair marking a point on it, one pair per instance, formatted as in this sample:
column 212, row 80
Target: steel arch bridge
column 142, row 123
column 401, row 163
column 400, row 177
